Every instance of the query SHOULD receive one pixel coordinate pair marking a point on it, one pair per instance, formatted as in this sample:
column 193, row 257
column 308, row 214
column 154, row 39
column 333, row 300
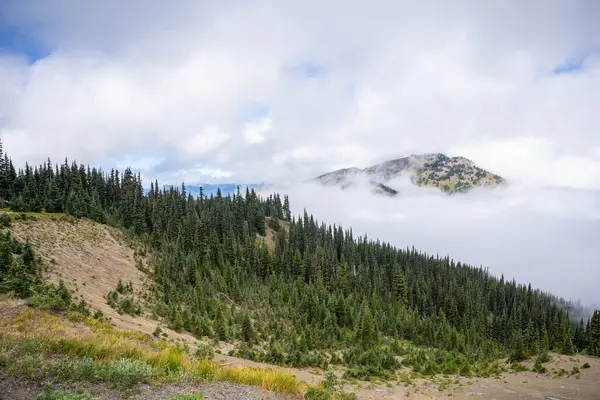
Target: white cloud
column 255, row 132
column 544, row 236
column 163, row 86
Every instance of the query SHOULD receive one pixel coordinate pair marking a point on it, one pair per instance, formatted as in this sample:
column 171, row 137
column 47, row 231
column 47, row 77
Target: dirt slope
column 90, row 258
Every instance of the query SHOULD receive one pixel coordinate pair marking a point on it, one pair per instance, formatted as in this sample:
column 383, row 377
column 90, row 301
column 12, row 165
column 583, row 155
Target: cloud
column 540, row 235
column 278, row 91
column 254, row 132
column 391, row 79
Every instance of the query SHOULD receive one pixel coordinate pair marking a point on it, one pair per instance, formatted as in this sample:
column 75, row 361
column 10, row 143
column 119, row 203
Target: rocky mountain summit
column 449, row 174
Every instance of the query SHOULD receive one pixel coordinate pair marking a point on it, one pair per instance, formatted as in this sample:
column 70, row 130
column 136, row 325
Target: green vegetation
column 121, row 299
column 50, row 394
column 291, row 290
column 198, row 396
column 36, row 344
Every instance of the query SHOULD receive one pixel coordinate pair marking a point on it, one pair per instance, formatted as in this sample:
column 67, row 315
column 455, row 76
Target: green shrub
column 50, row 394
column 205, row 351
column 50, row 297
column 345, row 396
column 198, row 396
column 575, row 371
column 5, row 220
column 75, row 369
column 315, row 393
column 126, row 372
column 331, row 381
column 544, row 356
column 539, row 367
column 518, row 367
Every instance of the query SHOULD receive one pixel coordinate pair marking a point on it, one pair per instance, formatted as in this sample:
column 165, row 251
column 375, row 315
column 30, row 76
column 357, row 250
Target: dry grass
column 53, row 335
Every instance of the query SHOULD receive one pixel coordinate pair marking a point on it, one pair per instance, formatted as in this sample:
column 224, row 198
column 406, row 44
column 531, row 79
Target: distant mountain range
column 211, row 188
column 449, row 174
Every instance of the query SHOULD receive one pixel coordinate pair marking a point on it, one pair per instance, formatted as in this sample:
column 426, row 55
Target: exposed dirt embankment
column 91, row 259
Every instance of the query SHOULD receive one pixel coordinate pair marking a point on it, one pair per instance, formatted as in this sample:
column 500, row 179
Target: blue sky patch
column 253, row 112
column 569, row 66
column 306, row 70
column 16, row 40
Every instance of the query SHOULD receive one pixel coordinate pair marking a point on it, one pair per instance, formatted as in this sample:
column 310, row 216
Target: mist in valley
column 544, row 235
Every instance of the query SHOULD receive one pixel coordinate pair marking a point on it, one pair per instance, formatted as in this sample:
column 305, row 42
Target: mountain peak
column 449, row 174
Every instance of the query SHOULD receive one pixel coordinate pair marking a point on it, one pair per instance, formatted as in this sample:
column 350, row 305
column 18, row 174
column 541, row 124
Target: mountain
column 449, row 174
column 211, row 188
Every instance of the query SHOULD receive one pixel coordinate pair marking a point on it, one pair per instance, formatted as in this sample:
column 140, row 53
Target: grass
column 50, row 394
column 198, row 396
column 32, row 215
column 36, row 344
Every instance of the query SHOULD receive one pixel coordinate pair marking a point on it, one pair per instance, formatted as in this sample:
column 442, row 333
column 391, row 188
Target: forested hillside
column 292, row 290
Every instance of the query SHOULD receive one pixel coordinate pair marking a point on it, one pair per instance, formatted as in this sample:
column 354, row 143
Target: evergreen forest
column 288, row 289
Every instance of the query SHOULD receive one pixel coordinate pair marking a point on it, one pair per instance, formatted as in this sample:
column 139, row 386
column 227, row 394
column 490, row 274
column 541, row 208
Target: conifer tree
column 366, row 331
column 399, row 286
column 593, row 335
column 247, row 329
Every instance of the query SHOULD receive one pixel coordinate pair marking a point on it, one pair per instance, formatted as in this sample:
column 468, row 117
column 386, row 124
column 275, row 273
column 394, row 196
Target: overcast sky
column 280, row 91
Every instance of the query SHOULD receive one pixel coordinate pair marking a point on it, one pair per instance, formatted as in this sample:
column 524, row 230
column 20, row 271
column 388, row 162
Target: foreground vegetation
column 37, row 344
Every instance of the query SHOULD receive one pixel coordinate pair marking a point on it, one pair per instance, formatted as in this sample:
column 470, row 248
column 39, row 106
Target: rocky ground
column 13, row 388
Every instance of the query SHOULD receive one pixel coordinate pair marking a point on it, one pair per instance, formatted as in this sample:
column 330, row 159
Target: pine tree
column 342, row 283
column 400, row 286
column 593, row 335
column 366, row 330
column 517, row 348
column 247, row 329
column 221, row 328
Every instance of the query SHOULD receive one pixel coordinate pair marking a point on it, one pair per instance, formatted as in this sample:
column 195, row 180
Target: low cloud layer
column 546, row 236
column 275, row 90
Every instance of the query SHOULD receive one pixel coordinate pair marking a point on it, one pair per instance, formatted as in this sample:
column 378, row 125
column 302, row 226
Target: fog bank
column 546, row 236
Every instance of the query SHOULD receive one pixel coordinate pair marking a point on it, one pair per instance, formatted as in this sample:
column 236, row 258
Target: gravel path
column 14, row 388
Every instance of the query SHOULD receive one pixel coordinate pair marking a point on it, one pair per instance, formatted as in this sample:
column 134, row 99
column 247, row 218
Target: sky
column 280, row 91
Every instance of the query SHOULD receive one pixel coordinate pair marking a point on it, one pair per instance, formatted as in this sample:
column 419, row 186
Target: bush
column 575, row 371
column 544, row 357
column 50, row 297
column 345, row 396
column 5, row 220
column 50, row 394
column 331, row 381
column 315, row 393
column 198, row 396
column 157, row 331
column 75, row 369
column 126, row 372
column 539, row 367
column 205, row 351
column 518, row 367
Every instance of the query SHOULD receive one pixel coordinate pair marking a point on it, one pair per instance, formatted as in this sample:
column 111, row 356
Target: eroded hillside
column 91, row 259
